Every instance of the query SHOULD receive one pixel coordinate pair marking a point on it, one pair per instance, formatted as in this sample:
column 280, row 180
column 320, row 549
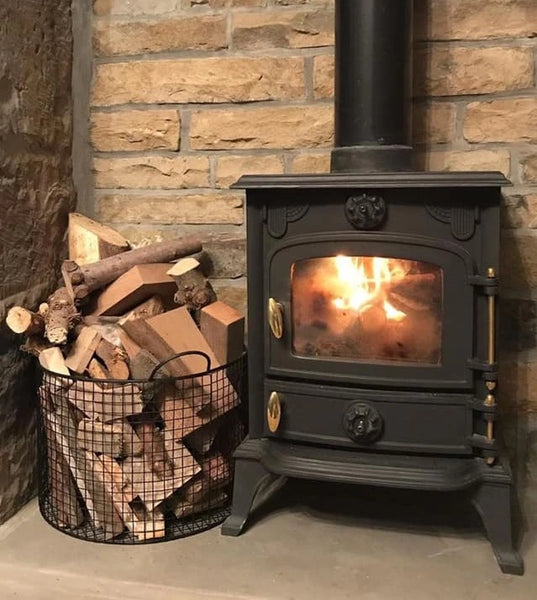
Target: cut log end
column 22, row 320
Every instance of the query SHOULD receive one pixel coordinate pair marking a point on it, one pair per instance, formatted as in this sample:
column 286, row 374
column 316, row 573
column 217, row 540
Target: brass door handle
column 274, row 412
column 275, row 318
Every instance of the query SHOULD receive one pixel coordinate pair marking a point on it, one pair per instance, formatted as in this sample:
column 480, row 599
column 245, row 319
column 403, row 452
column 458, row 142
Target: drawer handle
column 274, row 412
column 275, row 318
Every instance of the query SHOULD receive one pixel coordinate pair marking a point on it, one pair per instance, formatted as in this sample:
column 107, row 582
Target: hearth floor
column 308, row 542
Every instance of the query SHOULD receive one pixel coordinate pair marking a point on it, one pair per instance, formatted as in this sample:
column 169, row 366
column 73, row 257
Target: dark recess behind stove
column 373, row 86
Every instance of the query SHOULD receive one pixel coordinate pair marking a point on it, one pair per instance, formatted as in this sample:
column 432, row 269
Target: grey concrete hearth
column 306, row 542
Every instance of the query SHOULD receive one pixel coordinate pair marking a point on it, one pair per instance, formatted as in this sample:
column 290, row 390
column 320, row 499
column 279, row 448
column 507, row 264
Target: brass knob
column 274, row 412
column 275, row 318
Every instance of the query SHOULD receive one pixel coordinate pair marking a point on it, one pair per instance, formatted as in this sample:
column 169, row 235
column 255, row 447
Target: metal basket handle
column 179, row 355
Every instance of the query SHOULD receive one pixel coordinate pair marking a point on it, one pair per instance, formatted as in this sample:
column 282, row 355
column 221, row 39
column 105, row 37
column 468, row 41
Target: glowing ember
column 362, row 282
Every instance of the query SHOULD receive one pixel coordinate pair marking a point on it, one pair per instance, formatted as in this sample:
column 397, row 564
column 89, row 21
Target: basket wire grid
column 140, row 461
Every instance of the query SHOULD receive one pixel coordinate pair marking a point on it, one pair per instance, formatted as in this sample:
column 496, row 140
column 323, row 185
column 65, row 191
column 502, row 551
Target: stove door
column 376, row 309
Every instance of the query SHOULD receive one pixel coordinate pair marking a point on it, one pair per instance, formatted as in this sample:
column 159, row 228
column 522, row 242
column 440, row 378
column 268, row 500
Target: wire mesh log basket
column 134, row 461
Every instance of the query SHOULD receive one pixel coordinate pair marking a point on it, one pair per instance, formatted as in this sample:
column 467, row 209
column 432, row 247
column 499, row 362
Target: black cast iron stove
column 372, row 309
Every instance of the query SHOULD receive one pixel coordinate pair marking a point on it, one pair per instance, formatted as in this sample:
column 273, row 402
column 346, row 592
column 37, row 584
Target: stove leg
column 493, row 503
column 250, row 475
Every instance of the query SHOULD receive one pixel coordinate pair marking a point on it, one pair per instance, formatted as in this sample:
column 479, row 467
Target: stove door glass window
column 367, row 308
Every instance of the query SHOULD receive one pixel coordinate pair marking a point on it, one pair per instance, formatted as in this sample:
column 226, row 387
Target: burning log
column 80, row 280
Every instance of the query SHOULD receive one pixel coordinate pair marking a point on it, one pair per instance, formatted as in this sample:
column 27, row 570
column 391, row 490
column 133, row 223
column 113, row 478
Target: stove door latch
column 362, row 423
column 275, row 318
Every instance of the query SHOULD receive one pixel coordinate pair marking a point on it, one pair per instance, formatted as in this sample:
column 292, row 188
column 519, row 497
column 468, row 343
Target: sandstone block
column 323, row 76
column 150, row 172
column 473, row 160
column 225, row 79
column 273, row 127
column 230, row 168
column 519, row 261
column 529, row 169
column 507, row 120
column 167, row 209
column 462, row 70
column 225, row 3
column 133, row 7
column 139, row 37
column 519, row 211
column 433, row 123
column 232, row 293
column 516, row 392
column 278, row 29
column 311, row 163
column 475, row 20
column 135, row 130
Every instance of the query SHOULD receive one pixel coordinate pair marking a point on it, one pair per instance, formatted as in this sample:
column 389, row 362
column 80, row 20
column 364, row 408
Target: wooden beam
column 82, row 350
column 223, row 328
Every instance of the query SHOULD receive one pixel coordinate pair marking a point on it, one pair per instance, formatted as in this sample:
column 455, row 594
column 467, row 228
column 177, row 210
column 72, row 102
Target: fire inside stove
column 367, row 308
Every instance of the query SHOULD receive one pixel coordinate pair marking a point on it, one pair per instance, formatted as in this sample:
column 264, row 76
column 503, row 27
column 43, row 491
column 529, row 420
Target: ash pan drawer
column 369, row 419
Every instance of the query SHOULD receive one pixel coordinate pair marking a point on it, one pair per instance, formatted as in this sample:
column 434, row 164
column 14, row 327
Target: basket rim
column 165, row 379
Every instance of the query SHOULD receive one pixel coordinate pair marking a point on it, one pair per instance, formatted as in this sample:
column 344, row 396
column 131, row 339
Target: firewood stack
column 134, row 439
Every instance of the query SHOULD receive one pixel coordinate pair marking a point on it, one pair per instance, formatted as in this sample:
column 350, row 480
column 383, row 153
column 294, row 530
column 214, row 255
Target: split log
column 193, row 289
column 133, row 287
column 114, row 358
column 141, row 362
column 63, row 494
column 152, row 490
column 106, row 404
column 82, row 464
column 151, row 307
column 121, row 480
column 90, row 241
column 60, row 316
column 223, row 328
column 119, row 499
column 154, row 449
column 22, row 320
column 150, row 528
column 81, row 280
column 52, row 360
column 215, row 474
column 173, row 332
column 118, row 440
column 35, row 344
column 82, row 350
column 98, row 371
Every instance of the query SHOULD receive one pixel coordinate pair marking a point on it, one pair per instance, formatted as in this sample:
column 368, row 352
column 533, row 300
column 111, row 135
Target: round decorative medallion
column 365, row 212
column 362, row 423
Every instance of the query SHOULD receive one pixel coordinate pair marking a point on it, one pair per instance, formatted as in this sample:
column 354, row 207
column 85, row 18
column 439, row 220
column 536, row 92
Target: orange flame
column 362, row 282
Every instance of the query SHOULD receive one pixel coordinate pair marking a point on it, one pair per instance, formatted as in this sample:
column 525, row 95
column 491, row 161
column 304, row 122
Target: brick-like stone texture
column 311, row 163
column 289, row 29
column 505, row 120
column 529, row 169
column 194, row 209
column 323, row 76
column 35, row 197
column 133, row 7
column 472, row 160
column 459, row 70
column 519, row 210
column 434, row 123
column 199, row 80
column 152, row 172
column 191, row 33
column 278, row 127
column 135, row 130
column 519, row 261
column 475, row 19
column 230, row 167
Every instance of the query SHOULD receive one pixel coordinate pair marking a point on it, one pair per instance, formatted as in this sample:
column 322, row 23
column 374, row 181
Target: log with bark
column 22, row 320
column 81, row 280
column 193, row 289
column 60, row 316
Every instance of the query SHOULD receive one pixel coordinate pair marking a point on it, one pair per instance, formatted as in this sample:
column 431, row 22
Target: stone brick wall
column 189, row 94
column 35, row 197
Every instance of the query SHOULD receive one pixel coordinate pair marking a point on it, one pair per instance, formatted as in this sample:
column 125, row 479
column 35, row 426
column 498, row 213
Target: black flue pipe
column 373, row 86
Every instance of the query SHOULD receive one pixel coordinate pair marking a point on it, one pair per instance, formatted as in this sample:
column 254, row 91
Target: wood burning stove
column 372, row 304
